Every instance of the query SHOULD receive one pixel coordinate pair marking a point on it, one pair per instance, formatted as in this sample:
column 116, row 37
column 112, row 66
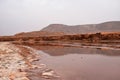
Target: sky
column 33, row 15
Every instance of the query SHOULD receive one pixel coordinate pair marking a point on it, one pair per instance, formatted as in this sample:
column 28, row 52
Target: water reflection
column 59, row 51
column 75, row 63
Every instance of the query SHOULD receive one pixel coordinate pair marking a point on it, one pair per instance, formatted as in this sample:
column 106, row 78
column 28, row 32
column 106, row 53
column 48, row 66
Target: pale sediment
column 11, row 62
column 16, row 63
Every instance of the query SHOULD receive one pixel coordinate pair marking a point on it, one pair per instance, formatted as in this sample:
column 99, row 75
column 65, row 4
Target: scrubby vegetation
column 97, row 37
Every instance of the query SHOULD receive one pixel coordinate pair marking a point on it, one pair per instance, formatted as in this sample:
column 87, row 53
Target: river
column 75, row 63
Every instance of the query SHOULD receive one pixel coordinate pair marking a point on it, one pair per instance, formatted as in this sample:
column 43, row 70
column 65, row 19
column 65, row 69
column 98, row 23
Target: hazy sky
column 29, row 15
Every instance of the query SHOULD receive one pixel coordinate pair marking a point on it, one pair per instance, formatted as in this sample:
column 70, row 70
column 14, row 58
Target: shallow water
column 73, row 63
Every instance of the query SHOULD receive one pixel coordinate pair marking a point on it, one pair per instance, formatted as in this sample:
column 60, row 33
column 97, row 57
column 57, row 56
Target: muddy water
column 73, row 63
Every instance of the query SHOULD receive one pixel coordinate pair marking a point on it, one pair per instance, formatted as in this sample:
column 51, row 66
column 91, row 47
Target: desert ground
column 16, row 64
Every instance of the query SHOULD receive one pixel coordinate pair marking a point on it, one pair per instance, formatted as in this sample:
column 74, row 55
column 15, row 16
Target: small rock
column 49, row 74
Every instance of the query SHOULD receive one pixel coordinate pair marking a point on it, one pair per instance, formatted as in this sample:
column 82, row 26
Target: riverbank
column 113, row 46
column 16, row 63
column 11, row 62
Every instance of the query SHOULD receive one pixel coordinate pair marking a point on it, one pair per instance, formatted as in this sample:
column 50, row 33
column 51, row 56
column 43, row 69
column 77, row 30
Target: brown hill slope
column 113, row 26
column 60, row 29
column 39, row 33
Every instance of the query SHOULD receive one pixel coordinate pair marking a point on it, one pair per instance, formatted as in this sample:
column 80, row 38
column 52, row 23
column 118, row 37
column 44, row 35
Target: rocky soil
column 11, row 62
column 16, row 64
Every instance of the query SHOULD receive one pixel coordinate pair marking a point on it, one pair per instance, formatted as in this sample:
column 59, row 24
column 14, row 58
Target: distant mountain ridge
column 61, row 29
column 89, row 28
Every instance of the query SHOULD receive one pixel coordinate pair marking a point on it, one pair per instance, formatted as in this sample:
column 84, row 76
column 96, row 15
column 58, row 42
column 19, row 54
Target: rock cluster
column 16, row 64
column 11, row 62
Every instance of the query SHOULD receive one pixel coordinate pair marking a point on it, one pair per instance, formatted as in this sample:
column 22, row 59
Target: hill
column 61, row 29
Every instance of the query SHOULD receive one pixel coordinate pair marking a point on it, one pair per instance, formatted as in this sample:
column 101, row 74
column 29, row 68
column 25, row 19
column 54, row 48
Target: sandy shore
column 16, row 63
